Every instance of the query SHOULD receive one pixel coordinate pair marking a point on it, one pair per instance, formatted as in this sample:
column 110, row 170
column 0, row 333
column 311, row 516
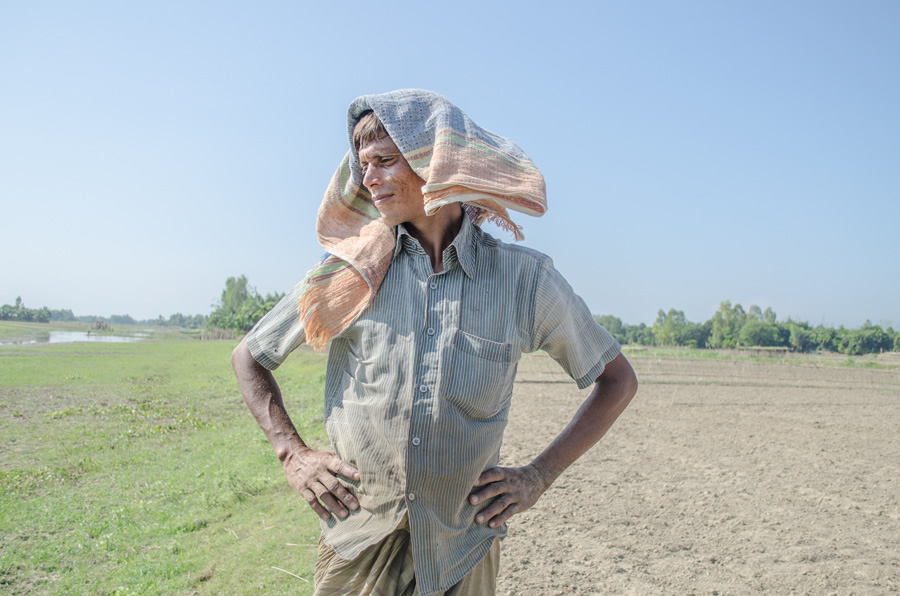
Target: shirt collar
column 462, row 249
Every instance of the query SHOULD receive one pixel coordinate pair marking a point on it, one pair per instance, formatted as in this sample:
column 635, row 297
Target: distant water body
column 68, row 337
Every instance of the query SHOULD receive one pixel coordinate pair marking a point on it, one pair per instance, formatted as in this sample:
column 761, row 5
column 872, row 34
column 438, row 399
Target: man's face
column 396, row 190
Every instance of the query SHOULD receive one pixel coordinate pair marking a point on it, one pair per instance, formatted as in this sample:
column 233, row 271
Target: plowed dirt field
column 722, row 477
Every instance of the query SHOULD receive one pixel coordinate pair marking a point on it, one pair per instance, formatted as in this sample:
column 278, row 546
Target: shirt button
column 433, row 285
column 416, row 441
column 423, row 388
column 412, row 496
column 430, row 331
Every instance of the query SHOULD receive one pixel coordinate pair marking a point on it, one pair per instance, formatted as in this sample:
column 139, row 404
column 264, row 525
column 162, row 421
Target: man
column 426, row 316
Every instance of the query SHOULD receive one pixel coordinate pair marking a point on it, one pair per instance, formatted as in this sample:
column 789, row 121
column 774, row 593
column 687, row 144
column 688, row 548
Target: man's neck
column 436, row 232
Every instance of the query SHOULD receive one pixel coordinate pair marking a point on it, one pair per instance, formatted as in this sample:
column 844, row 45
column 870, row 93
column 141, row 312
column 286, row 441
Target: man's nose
column 371, row 177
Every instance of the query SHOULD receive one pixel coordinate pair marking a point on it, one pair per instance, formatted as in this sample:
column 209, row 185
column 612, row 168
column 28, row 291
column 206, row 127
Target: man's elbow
column 631, row 379
column 621, row 375
column 631, row 383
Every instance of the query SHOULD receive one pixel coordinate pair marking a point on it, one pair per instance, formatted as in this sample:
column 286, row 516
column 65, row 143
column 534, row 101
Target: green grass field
column 135, row 468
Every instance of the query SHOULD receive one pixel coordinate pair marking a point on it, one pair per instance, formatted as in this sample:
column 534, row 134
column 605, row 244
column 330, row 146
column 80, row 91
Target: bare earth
column 722, row 477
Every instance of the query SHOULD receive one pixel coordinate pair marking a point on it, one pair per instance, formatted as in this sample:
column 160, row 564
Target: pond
column 67, row 337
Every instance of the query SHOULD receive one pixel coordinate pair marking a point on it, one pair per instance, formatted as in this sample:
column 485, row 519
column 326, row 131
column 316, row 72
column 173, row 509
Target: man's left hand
column 513, row 489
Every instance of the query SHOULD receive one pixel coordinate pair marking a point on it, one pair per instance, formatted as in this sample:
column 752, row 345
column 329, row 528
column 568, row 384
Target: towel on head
column 459, row 162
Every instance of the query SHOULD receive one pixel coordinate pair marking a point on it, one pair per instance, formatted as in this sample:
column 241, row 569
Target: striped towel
column 459, row 162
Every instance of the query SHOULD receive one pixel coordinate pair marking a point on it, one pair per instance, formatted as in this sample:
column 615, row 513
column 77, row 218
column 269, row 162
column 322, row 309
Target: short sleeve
column 566, row 330
column 278, row 333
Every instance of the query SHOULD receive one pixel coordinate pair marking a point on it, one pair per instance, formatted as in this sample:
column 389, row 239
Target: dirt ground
column 722, row 477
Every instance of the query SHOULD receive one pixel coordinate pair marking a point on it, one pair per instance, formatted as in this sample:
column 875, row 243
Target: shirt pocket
column 479, row 375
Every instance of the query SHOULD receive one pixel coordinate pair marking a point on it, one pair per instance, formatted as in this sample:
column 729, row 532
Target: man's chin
column 390, row 221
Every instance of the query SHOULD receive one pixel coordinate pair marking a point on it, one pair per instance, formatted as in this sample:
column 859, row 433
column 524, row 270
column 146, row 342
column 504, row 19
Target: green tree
column 759, row 333
column 726, row 325
column 801, row 337
column 825, row 338
column 870, row 339
column 696, row 335
column 237, row 291
column 240, row 306
column 62, row 315
column 196, row 321
column 640, row 335
column 670, row 327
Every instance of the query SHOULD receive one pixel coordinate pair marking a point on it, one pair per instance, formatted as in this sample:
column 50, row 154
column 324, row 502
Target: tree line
column 733, row 327
column 175, row 320
column 241, row 306
column 19, row 312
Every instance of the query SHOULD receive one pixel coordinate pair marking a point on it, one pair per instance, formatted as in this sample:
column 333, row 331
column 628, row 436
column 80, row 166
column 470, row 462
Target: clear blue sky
column 693, row 151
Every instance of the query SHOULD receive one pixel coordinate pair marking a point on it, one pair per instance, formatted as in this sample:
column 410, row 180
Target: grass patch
column 137, row 469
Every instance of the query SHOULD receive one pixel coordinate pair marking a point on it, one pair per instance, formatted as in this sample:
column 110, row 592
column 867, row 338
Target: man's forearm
column 311, row 473
column 610, row 396
column 263, row 396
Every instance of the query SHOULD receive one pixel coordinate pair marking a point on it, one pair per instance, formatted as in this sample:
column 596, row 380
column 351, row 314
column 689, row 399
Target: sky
column 694, row 152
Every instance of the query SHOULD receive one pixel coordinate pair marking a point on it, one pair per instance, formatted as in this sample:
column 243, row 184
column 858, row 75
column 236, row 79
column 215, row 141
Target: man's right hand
column 313, row 474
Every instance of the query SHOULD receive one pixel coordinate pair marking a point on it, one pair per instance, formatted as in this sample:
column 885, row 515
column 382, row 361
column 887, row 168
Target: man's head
column 395, row 188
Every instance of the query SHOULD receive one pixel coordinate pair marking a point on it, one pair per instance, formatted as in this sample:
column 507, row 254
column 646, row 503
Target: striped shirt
column 418, row 389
